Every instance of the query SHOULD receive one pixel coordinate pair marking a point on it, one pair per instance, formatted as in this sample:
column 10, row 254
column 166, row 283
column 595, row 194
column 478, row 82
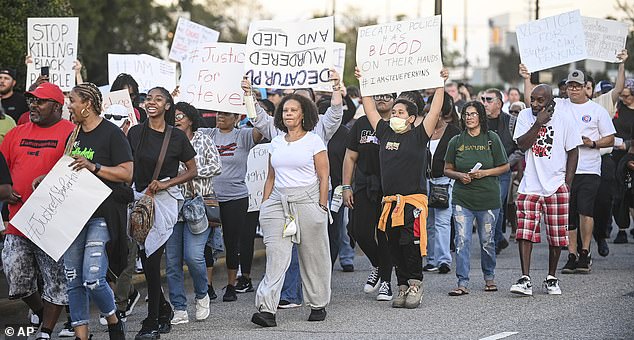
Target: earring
column 82, row 113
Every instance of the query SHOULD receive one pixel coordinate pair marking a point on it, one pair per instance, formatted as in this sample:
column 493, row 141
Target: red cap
column 48, row 90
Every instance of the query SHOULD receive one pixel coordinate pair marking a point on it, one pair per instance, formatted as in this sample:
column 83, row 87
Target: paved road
column 599, row 305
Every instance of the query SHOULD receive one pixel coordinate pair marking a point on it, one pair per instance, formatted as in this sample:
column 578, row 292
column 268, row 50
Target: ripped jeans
column 485, row 220
column 86, row 264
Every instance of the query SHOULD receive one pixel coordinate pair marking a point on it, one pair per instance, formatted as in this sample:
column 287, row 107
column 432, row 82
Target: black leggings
column 373, row 242
column 247, row 237
column 152, row 272
column 234, row 229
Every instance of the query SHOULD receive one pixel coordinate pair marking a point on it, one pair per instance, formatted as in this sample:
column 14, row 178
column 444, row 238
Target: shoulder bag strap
column 166, row 141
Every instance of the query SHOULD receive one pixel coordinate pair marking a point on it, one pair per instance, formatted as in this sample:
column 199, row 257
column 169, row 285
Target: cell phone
column 551, row 106
column 44, row 70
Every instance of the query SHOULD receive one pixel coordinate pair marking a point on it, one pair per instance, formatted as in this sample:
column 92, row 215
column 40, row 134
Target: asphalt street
column 599, row 305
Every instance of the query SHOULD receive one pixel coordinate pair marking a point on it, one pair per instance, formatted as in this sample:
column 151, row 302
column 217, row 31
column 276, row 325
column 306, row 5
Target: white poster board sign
column 148, row 71
column 400, row 56
column 59, row 207
column 338, row 63
column 552, row 41
column 189, row 34
column 52, row 42
column 257, row 170
column 604, row 38
column 121, row 97
column 211, row 77
column 288, row 55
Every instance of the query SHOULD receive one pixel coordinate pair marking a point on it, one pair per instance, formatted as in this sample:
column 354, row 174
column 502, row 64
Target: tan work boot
column 414, row 294
column 399, row 300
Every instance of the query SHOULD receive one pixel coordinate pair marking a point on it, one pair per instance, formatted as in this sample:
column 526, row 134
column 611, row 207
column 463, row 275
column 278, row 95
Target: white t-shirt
column 605, row 100
column 433, row 145
column 593, row 122
column 293, row 162
column 546, row 160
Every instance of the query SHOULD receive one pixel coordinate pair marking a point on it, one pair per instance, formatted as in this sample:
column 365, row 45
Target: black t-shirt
column 146, row 154
column 623, row 121
column 5, row 175
column 106, row 144
column 362, row 139
column 15, row 105
column 493, row 123
column 336, row 152
column 403, row 160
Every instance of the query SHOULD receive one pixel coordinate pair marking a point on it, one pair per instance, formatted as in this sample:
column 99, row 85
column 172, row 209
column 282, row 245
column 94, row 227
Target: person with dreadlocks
column 100, row 147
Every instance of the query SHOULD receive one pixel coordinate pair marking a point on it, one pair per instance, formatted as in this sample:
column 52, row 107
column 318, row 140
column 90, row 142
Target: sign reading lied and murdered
column 52, row 43
column 569, row 37
column 211, row 78
column 60, row 206
column 289, row 54
column 399, row 56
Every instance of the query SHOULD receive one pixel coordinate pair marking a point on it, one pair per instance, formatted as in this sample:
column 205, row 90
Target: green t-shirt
column 6, row 123
column 464, row 151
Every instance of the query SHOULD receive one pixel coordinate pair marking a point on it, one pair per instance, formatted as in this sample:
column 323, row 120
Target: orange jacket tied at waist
column 419, row 201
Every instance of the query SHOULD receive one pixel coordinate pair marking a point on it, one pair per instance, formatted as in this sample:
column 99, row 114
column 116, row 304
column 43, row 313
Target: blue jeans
column 183, row 245
column 505, row 181
column 85, row 265
column 439, row 230
column 485, row 219
column 346, row 253
column 292, row 288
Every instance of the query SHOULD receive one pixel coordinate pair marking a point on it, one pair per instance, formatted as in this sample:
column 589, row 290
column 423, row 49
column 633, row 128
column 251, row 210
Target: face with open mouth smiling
column 156, row 104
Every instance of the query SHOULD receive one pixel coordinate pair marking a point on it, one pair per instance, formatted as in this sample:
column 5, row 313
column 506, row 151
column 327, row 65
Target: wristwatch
column 323, row 207
column 97, row 168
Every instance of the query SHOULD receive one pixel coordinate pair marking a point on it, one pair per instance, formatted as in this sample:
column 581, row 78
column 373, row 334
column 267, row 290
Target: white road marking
column 499, row 336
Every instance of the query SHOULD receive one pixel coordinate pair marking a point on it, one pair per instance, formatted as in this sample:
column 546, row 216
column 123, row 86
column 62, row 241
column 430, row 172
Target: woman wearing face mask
column 146, row 140
column 403, row 158
column 475, row 158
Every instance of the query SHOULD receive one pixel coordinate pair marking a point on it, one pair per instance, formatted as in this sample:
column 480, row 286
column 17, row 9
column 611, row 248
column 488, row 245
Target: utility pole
column 438, row 11
column 536, row 9
column 466, row 61
column 535, row 75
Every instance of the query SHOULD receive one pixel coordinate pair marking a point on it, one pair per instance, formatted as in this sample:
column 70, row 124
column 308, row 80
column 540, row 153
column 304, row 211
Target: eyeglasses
column 179, row 116
column 488, row 99
column 38, row 101
column 514, row 111
column 116, row 117
column 382, row 97
column 574, row 87
column 470, row 114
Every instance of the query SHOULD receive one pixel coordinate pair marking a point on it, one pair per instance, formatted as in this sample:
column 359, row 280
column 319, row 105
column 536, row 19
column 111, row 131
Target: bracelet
column 346, row 187
column 323, row 207
column 97, row 168
column 336, row 88
column 594, row 144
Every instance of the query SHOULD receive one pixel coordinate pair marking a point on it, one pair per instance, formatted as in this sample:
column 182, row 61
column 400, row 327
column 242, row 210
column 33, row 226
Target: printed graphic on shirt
column 463, row 147
column 368, row 137
column 227, row 150
column 39, row 144
column 87, row 153
column 586, row 118
column 392, row 146
column 544, row 145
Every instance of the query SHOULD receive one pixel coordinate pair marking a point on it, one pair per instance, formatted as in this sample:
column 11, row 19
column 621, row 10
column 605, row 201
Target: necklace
column 290, row 139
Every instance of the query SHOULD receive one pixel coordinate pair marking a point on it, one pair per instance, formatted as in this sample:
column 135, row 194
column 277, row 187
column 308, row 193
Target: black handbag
column 213, row 210
column 438, row 196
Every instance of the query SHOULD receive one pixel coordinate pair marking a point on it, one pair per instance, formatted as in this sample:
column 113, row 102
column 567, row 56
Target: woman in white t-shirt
column 294, row 210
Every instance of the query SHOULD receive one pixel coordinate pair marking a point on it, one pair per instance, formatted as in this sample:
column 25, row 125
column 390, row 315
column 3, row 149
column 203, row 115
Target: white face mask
column 399, row 125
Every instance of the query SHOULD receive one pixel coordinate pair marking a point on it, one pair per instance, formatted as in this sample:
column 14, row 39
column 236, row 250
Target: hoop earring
column 82, row 113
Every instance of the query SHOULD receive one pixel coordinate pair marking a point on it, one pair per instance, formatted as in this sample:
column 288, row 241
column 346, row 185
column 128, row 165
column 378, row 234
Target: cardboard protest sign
column 147, row 70
column 121, row 97
column 211, row 77
column 188, row 34
column 604, row 38
column 400, row 56
column 59, row 207
column 257, row 170
column 52, row 43
column 552, row 41
column 338, row 63
column 289, row 54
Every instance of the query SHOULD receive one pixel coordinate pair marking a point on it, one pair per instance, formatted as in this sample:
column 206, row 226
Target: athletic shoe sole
column 521, row 292
column 382, row 297
column 290, row 305
column 371, row 289
column 179, row 322
column 134, row 302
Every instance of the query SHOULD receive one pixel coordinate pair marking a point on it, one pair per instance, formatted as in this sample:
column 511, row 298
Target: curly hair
column 482, row 115
column 169, row 117
column 309, row 111
column 90, row 92
column 410, row 107
column 191, row 112
column 123, row 80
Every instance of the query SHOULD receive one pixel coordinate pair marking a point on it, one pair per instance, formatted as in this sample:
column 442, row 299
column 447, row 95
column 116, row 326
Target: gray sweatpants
column 313, row 247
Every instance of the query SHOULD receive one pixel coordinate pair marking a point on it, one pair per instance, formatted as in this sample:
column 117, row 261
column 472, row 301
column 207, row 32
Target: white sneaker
column 373, row 281
column 552, row 285
column 180, row 316
column 385, row 292
column 138, row 266
column 103, row 321
column 34, row 319
column 67, row 331
column 523, row 286
column 202, row 308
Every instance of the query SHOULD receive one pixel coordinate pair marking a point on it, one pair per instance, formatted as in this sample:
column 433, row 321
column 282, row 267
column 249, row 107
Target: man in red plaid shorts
column 550, row 143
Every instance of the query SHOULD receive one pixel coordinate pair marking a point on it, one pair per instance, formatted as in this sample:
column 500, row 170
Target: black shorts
column 582, row 196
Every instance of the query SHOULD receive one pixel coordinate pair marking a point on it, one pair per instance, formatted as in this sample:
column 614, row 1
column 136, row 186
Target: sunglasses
column 382, row 97
column 38, row 101
column 488, row 99
column 116, row 117
column 179, row 116
column 470, row 114
column 514, row 111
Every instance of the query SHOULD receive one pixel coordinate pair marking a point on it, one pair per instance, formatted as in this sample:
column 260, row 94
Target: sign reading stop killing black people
column 289, row 54
column 52, row 43
column 400, row 56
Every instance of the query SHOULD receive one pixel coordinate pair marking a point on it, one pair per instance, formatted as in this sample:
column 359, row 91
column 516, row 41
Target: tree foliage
column 627, row 8
column 508, row 65
column 13, row 33
column 346, row 31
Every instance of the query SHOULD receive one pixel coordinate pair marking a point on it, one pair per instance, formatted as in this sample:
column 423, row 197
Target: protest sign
column 400, row 56
column 552, row 41
column 147, row 70
column 121, row 97
column 60, row 206
column 188, row 34
column 52, row 43
column 604, row 38
column 257, row 170
column 211, row 77
column 338, row 63
column 289, row 54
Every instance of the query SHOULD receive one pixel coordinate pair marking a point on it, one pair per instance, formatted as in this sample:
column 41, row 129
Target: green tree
column 13, row 33
column 346, row 31
column 507, row 65
column 627, row 8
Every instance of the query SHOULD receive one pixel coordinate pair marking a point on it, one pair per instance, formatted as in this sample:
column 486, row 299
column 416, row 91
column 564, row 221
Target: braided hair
column 89, row 91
